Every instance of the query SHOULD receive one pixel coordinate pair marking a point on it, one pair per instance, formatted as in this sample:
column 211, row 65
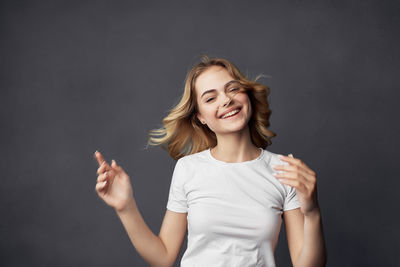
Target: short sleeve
column 177, row 197
column 291, row 200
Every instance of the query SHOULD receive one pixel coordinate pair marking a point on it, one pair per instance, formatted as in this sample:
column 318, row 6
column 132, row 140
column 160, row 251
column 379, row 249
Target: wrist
column 314, row 213
column 130, row 206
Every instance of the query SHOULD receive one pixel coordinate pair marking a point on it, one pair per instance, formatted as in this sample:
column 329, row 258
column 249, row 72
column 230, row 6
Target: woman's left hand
column 298, row 175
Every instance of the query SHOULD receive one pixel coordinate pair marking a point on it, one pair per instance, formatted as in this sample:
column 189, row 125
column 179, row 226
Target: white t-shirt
column 234, row 209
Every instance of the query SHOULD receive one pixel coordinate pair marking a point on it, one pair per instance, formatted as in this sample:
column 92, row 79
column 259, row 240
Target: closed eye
column 211, row 98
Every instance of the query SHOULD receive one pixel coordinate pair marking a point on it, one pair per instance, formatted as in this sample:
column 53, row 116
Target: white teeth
column 233, row 112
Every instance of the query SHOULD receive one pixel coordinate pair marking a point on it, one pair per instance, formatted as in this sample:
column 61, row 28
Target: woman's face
column 219, row 94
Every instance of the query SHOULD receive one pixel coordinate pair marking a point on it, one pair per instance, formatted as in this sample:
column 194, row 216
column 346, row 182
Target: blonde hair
column 184, row 134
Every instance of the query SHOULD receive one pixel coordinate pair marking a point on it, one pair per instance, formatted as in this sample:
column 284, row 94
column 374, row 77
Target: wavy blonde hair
column 184, row 134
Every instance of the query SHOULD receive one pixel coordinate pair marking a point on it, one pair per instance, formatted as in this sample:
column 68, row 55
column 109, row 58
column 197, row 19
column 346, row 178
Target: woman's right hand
column 113, row 184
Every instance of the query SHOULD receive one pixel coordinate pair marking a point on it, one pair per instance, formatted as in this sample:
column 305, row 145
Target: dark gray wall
column 77, row 76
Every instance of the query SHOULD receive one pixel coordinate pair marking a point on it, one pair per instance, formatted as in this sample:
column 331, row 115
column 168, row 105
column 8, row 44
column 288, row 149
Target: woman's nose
column 225, row 100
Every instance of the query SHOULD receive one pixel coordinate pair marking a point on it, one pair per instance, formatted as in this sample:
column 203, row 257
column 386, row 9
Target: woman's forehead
column 214, row 77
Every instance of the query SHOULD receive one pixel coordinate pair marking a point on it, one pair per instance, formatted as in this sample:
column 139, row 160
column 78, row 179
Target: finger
column 101, row 186
column 108, row 176
column 290, row 159
column 294, row 183
column 115, row 166
column 292, row 169
column 293, row 176
column 102, row 177
column 99, row 157
column 296, row 161
column 104, row 167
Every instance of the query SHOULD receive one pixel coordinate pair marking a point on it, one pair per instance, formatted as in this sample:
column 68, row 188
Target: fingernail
column 290, row 155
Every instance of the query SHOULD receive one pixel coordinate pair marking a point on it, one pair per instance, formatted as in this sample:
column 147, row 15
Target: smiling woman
column 186, row 132
column 227, row 190
column 215, row 115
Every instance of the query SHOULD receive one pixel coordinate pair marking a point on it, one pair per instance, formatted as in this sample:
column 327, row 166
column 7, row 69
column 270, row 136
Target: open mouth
column 231, row 114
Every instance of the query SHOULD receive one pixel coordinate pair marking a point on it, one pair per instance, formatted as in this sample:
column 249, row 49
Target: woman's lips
column 232, row 116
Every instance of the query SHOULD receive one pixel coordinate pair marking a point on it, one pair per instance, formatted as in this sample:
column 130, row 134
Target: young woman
column 227, row 190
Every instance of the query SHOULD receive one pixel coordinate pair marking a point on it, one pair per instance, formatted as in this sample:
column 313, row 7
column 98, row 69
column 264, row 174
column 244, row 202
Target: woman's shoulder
column 273, row 158
column 190, row 163
column 195, row 157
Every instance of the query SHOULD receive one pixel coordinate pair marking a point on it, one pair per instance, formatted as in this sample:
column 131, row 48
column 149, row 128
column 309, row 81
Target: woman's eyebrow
column 213, row 90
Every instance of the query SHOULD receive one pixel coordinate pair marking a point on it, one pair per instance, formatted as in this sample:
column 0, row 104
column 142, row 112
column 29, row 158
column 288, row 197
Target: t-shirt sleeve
column 291, row 200
column 177, row 200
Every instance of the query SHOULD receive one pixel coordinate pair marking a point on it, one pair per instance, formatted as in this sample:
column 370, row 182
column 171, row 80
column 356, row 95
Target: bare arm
column 305, row 238
column 159, row 250
column 303, row 226
column 113, row 186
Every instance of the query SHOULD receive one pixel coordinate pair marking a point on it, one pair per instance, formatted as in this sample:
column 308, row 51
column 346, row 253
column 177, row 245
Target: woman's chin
column 233, row 128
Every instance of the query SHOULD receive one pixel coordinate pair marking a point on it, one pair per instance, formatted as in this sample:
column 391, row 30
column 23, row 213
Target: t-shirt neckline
column 234, row 163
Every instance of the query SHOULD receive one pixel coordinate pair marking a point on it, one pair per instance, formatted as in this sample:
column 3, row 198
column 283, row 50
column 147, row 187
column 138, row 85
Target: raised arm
column 114, row 187
column 303, row 226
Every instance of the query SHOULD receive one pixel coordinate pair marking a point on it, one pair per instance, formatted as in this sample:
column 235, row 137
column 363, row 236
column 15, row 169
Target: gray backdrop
column 77, row 76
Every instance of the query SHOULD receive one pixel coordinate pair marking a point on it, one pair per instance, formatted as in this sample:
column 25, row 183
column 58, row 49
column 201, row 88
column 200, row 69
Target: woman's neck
column 235, row 147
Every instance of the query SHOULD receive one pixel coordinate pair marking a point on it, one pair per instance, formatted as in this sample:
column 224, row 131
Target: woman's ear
column 200, row 118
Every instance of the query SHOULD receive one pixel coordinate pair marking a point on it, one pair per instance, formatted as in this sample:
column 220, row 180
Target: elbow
column 164, row 263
